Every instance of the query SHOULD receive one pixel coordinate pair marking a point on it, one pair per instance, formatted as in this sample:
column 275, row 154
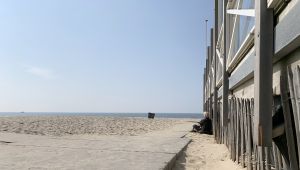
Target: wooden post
column 225, row 74
column 213, row 45
column 215, row 96
column 249, row 134
column 204, row 81
column 263, row 74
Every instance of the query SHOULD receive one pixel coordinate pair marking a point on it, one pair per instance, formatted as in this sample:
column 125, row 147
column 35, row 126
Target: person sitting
column 205, row 125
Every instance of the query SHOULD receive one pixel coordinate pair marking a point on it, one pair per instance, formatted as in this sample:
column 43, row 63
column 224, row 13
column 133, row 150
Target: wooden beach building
column 252, row 81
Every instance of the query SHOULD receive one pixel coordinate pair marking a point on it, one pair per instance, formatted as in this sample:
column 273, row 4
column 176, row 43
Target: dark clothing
column 204, row 127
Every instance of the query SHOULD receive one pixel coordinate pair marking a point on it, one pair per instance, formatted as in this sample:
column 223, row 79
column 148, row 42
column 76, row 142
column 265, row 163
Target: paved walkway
column 156, row 150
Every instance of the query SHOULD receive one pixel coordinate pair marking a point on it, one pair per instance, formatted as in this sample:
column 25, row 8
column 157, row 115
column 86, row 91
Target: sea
column 139, row 115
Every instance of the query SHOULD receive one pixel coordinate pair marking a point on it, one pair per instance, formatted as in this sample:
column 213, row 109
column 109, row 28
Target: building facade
column 252, row 81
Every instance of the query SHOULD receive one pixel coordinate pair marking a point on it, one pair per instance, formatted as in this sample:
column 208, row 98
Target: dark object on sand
column 204, row 127
column 151, row 115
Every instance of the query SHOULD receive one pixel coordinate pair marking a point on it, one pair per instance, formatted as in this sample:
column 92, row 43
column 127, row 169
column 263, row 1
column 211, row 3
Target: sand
column 201, row 154
column 204, row 154
column 46, row 143
column 79, row 125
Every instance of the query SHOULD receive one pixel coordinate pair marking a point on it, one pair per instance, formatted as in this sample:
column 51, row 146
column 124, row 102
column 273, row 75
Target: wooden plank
column 275, row 153
column 255, row 152
column 256, row 158
column 225, row 80
column 258, row 151
column 262, row 157
column 288, row 122
column 203, row 99
column 242, row 133
column 249, row 134
column 229, row 128
column 238, row 132
column 234, row 129
column 268, row 158
column 297, row 97
column 280, row 162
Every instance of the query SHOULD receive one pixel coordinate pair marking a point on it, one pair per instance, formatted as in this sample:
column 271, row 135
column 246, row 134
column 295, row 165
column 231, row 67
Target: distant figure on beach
column 205, row 125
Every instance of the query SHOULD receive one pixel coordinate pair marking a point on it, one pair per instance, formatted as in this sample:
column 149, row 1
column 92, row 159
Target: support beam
column 225, row 74
column 214, row 34
column 263, row 74
column 204, row 82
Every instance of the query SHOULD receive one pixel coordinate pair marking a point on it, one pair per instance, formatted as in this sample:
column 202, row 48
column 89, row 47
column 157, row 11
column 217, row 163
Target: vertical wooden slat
column 267, row 158
column 262, row 157
column 255, row 152
column 275, row 153
column 242, row 133
column 229, row 128
column 297, row 99
column 280, row 162
column 249, row 134
column 258, row 158
column 255, row 158
column 238, row 142
column 288, row 123
column 234, row 130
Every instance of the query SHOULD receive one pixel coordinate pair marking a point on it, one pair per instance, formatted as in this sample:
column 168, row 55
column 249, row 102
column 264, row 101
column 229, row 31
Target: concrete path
column 156, row 150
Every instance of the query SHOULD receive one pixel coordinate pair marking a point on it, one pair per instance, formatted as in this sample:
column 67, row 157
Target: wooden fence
column 237, row 135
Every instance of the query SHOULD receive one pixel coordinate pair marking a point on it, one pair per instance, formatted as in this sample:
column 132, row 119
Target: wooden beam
column 263, row 74
column 203, row 98
column 225, row 74
column 214, row 35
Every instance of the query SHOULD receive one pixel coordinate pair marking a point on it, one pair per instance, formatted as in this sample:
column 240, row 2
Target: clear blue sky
column 102, row 55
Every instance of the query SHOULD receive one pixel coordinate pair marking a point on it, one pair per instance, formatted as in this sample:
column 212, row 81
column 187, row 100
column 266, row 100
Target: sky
column 102, row 55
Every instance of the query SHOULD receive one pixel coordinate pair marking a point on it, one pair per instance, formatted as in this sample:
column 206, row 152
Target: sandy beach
column 121, row 139
column 79, row 125
column 90, row 142
column 204, row 154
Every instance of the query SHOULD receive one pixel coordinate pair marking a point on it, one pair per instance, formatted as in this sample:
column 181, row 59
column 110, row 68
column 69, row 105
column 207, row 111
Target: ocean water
column 157, row 115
